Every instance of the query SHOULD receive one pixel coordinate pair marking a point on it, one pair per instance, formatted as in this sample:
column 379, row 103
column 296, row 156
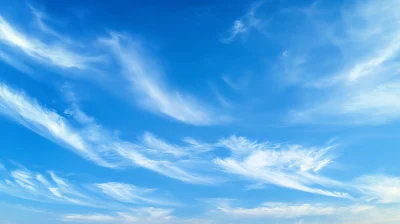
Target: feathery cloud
column 289, row 166
column 362, row 87
column 245, row 23
column 280, row 210
column 90, row 141
column 55, row 54
column 129, row 193
column 145, row 82
column 51, row 188
column 380, row 188
column 139, row 215
column 313, row 213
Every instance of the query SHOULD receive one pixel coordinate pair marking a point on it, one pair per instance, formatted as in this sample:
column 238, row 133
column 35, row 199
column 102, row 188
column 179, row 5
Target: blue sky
column 209, row 112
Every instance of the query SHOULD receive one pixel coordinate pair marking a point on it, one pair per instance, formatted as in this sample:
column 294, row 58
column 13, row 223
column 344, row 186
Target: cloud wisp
column 129, row 193
column 310, row 213
column 361, row 87
column 92, row 141
column 53, row 54
column 138, row 215
column 50, row 188
column 379, row 188
column 289, row 166
column 244, row 24
column 138, row 74
column 145, row 81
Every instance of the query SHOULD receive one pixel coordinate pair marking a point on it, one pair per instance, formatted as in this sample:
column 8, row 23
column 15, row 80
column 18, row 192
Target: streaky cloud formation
column 145, row 215
column 140, row 75
column 54, row 54
column 245, row 23
column 203, row 115
column 50, row 188
column 139, row 215
column 310, row 213
column 145, row 81
column 27, row 112
column 286, row 211
column 379, row 188
column 362, row 88
column 90, row 141
column 14, row 62
column 289, row 166
column 129, row 193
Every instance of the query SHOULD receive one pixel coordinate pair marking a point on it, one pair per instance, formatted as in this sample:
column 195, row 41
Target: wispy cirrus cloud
column 27, row 112
column 129, row 193
column 145, row 215
column 54, row 54
column 92, row 141
column 309, row 213
column 145, row 81
column 379, row 188
column 159, row 147
column 14, row 62
column 245, row 23
column 288, row 166
column 359, row 87
column 287, row 210
column 140, row 215
column 138, row 74
column 51, row 188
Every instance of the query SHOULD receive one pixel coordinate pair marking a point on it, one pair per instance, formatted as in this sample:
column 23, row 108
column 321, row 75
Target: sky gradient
column 206, row 112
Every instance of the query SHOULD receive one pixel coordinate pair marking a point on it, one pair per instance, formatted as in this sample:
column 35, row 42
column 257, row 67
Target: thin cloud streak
column 146, row 84
column 289, row 166
column 56, row 54
column 50, row 188
column 90, row 141
column 364, row 83
column 129, row 193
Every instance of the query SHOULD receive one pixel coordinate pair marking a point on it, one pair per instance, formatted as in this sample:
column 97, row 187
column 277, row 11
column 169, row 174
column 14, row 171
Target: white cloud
column 139, row 215
column 14, row 62
column 143, row 215
column 377, row 105
column 361, row 86
column 55, row 54
column 145, row 82
column 91, row 141
column 39, row 21
column 310, row 213
column 372, row 30
column 159, row 147
column 50, row 188
column 380, row 188
column 47, row 123
column 281, row 210
column 90, row 218
column 237, row 28
column 289, row 166
column 140, row 75
column 245, row 23
column 129, row 193
column 164, row 167
column 74, row 110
